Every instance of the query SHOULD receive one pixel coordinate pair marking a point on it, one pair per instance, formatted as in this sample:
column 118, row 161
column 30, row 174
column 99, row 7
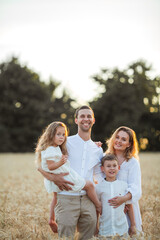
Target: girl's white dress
column 130, row 172
column 55, row 154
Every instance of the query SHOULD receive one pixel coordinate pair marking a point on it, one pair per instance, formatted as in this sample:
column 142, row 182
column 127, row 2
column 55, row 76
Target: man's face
column 85, row 120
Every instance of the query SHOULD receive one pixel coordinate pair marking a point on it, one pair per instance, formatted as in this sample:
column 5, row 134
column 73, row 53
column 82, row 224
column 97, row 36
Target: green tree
column 27, row 105
column 128, row 96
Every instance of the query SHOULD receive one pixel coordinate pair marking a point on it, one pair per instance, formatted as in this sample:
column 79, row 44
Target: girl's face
column 59, row 137
column 121, row 141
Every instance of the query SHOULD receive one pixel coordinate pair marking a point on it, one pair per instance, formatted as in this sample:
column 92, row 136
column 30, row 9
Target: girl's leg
column 130, row 212
column 52, row 221
column 90, row 189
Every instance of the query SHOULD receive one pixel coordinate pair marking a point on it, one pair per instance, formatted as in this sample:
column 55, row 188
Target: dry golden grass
column 24, row 203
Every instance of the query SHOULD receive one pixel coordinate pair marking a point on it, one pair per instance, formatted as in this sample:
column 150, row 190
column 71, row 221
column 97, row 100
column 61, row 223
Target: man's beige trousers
column 75, row 211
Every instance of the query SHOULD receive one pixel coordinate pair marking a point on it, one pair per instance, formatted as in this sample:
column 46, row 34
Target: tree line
column 28, row 104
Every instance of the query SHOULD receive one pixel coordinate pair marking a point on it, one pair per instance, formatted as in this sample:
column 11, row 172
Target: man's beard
column 86, row 129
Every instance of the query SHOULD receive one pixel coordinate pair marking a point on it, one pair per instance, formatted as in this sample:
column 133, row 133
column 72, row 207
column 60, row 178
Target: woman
column 124, row 145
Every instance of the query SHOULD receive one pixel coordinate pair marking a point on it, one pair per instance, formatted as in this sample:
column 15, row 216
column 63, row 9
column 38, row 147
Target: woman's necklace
column 121, row 160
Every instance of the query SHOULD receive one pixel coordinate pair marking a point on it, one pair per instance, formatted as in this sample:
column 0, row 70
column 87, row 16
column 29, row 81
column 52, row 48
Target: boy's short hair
column 83, row 107
column 108, row 157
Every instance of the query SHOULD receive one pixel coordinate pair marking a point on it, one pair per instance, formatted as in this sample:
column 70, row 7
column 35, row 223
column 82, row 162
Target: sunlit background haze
column 71, row 40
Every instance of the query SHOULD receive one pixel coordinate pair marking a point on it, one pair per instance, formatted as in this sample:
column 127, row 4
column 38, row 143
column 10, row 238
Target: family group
column 95, row 193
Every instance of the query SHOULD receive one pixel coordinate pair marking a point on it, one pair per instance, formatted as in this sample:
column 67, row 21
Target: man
column 76, row 209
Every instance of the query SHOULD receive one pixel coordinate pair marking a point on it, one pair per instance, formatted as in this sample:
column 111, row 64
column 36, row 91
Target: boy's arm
column 132, row 229
column 58, row 179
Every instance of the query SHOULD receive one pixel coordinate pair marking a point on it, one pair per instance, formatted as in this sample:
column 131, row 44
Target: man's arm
column 58, row 179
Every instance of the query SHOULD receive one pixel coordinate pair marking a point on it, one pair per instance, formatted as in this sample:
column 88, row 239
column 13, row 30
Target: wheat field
column 24, row 203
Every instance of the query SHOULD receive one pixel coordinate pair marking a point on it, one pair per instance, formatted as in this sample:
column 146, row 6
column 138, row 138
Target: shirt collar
column 88, row 141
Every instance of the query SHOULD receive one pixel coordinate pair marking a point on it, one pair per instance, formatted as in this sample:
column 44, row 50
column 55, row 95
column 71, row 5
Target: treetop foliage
column 130, row 98
column 27, row 105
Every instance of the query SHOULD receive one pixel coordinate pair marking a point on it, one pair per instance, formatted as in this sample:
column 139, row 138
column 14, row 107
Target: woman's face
column 121, row 141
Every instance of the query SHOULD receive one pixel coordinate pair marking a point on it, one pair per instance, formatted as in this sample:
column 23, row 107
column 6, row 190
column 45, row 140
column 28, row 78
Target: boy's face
column 110, row 169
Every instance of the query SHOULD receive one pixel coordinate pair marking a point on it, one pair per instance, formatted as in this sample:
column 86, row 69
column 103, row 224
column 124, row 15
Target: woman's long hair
column 47, row 139
column 132, row 150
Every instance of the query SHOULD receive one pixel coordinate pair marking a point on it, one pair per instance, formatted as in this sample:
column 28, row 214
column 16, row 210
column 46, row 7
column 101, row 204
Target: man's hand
column 59, row 180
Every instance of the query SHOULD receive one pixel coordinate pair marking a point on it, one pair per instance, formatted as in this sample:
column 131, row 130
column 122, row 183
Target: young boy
column 113, row 221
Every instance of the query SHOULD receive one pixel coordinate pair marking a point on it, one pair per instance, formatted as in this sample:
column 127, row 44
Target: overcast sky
column 71, row 40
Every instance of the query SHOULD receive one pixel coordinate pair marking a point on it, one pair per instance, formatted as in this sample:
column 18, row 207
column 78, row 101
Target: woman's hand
column 99, row 144
column 116, row 201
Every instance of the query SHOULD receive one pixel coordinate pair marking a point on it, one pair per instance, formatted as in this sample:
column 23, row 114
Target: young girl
column 52, row 154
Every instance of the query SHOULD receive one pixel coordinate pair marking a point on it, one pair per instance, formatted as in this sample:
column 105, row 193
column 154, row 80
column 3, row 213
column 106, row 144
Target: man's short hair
column 83, row 107
column 108, row 157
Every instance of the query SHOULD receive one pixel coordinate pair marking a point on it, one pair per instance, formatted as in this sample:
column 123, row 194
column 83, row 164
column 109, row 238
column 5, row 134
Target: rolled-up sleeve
column 134, row 182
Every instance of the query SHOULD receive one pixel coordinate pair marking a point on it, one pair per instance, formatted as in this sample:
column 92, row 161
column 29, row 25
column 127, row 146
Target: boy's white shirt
column 84, row 158
column 113, row 220
column 130, row 173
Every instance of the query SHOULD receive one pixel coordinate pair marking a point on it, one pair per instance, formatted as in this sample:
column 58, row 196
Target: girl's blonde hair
column 47, row 139
column 132, row 150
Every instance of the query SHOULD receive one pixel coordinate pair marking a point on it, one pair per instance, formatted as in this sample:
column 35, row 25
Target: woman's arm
column 58, row 179
column 134, row 182
column 134, row 186
column 118, row 200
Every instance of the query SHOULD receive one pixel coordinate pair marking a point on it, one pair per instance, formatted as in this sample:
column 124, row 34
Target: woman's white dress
column 55, row 154
column 130, row 172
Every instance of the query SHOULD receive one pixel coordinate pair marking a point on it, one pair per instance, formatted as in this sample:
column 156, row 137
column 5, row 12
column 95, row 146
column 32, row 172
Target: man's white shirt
column 84, row 158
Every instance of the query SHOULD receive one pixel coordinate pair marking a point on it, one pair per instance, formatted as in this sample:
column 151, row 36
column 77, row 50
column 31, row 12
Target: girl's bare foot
column 99, row 209
column 53, row 225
